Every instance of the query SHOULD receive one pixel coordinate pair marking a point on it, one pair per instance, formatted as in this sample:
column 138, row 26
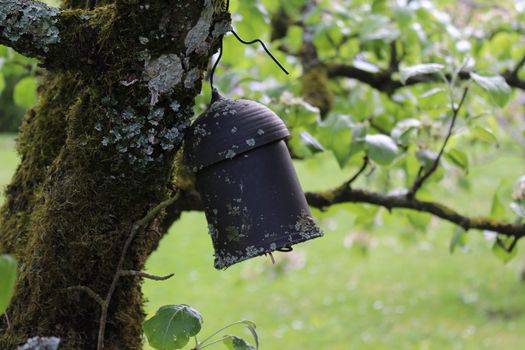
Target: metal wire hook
column 212, row 73
column 264, row 47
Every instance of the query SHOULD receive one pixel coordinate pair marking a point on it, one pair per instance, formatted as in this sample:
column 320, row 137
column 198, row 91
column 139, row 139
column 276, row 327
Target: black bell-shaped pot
column 252, row 198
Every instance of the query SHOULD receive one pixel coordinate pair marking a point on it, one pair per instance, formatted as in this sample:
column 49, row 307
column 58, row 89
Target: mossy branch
column 146, row 275
column 385, row 82
column 346, row 194
column 57, row 37
column 29, row 27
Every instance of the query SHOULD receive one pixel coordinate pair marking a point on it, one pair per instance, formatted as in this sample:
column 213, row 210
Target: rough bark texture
column 97, row 152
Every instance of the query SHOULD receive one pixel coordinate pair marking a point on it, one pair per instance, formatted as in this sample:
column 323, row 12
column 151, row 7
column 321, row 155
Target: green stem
column 220, row 330
column 214, row 342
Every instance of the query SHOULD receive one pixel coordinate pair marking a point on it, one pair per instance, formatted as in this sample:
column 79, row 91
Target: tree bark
column 97, row 152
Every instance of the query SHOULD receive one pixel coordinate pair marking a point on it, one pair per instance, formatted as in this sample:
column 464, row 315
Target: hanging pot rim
column 229, row 128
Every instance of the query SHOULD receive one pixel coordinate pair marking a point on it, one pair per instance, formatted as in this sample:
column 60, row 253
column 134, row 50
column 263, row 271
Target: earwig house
column 252, row 198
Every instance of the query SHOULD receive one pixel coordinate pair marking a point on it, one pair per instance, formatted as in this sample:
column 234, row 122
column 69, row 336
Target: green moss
column 315, row 89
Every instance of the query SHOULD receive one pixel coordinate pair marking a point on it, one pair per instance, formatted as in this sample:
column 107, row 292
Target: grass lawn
column 406, row 293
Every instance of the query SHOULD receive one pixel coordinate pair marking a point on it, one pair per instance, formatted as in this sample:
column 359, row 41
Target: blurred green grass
column 405, row 293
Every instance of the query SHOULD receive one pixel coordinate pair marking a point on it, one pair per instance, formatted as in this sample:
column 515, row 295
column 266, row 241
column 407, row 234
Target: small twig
column 421, row 179
column 203, row 343
column 137, row 227
column 146, row 275
column 358, row 173
column 89, row 292
column 215, row 342
column 394, row 59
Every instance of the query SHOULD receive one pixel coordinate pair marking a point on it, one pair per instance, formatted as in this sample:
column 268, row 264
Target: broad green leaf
column 253, row 330
column 24, row 93
column 358, row 143
column 378, row 27
column 457, row 157
column 502, row 249
column 8, row 279
column 401, row 132
column 366, row 66
column 518, row 208
column 484, row 134
column 311, row 142
column 496, row 86
column 381, row 149
column 253, row 17
column 459, row 239
column 295, row 111
column 335, row 134
column 172, row 326
column 426, row 158
column 497, row 209
column 427, row 68
column 419, row 221
column 235, row 343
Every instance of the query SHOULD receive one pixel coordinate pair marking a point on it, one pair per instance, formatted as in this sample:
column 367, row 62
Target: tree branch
column 41, row 31
column 347, row 194
column 146, row 275
column 358, row 173
column 323, row 200
column 518, row 66
column 29, row 27
column 420, row 180
column 384, row 82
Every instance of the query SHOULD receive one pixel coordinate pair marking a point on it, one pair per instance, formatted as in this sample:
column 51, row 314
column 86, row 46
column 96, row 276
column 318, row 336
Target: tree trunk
column 97, row 152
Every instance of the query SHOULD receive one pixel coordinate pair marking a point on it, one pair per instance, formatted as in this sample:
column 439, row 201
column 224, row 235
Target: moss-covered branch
column 384, row 80
column 30, row 27
column 347, row 194
column 57, row 37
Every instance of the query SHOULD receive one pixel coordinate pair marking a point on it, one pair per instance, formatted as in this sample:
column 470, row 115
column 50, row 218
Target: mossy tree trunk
column 96, row 153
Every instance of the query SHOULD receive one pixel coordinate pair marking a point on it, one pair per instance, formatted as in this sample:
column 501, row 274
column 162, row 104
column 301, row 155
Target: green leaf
column 381, row 149
column 253, row 330
column 497, row 209
column 457, row 157
column 496, row 86
column 235, row 343
column 2, row 83
column 311, row 142
column 401, row 132
column 484, row 134
column 172, row 326
column 378, row 27
column 426, row 158
column 427, row 68
column 335, row 134
column 518, row 208
column 8, row 278
column 295, row 111
column 505, row 249
column 24, row 93
column 459, row 239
